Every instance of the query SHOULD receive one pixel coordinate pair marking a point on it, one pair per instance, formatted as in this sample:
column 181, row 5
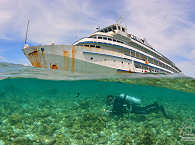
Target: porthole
column 91, row 58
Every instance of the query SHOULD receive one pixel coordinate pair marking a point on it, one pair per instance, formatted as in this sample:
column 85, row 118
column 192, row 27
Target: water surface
column 49, row 107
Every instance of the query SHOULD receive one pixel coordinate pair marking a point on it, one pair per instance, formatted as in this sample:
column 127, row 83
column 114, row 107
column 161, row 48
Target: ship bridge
column 113, row 28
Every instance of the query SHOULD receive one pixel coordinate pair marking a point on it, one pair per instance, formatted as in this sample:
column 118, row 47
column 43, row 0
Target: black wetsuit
column 155, row 107
column 122, row 106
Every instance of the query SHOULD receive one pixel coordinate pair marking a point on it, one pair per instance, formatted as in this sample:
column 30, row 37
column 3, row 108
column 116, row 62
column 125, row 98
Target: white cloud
column 58, row 21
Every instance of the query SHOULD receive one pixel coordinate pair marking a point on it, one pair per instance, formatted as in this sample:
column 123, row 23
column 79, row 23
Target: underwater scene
column 42, row 107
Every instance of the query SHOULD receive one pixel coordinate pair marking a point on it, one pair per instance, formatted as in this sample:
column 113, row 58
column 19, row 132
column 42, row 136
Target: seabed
column 45, row 112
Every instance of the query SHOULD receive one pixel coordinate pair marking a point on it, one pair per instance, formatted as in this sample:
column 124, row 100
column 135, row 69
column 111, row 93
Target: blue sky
column 169, row 25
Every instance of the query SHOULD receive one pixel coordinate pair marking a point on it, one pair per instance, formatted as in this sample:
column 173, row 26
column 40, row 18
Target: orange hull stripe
column 73, row 58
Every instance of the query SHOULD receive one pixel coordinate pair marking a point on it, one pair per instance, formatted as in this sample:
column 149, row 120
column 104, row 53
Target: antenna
column 26, row 34
column 119, row 20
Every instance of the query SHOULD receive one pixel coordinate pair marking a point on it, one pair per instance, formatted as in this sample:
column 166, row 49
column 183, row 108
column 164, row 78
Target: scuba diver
column 122, row 104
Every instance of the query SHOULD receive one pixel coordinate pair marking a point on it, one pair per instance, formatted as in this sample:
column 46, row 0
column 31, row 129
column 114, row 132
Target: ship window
column 86, row 45
column 91, row 58
column 149, row 59
column 137, row 65
column 155, row 62
column 93, row 37
column 123, row 29
column 104, row 38
column 97, row 46
column 160, row 64
column 132, row 53
column 142, row 56
column 126, row 52
column 99, row 37
column 145, row 67
column 137, row 54
column 109, row 29
column 118, row 41
column 122, row 62
column 114, row 40
column 92, row 45
column 114, row 27
column 106, row 30
column 119, row 27
column 110, row 39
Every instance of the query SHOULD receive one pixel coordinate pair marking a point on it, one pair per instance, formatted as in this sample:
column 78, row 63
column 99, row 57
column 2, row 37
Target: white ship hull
column 79, row 59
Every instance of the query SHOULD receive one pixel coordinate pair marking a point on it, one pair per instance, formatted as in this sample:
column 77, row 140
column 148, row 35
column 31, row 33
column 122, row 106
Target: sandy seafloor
column 50, row 112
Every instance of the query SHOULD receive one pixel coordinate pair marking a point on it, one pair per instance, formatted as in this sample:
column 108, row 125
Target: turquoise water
column 74, row 112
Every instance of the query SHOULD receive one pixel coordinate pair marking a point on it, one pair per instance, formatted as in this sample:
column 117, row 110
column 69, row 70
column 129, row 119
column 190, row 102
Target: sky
column 168, row 25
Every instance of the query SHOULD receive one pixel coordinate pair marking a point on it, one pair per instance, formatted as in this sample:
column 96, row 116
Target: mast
column 119, row 20
column 26, row 34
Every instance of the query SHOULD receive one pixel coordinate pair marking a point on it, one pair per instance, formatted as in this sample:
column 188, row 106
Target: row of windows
column 96, row 46
column 140, row 66
column 162, row 58
column 107, row 38
column 148, row 68
column 147, row 59
column 112, row 28
column 142, row 41
column 122, row 62
column 155, row 55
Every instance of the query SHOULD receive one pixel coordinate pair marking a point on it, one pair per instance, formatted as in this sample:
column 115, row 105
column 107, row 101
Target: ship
column 108, row 49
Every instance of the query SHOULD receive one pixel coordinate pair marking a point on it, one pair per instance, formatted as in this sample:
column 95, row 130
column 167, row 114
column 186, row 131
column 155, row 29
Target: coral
column 61, row 139
column 48, row 140
column 46, row 129
column 84, row 104
column 15, row 118
column 22, row 141
column 147, row 138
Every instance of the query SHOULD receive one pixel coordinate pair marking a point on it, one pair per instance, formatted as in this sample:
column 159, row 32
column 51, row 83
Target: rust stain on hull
column 73, row 58
column 34, row 58
column 66, row 61
column 54, row 66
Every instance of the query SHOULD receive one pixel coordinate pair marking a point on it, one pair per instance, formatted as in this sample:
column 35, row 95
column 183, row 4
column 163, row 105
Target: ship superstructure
column 110, row 48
